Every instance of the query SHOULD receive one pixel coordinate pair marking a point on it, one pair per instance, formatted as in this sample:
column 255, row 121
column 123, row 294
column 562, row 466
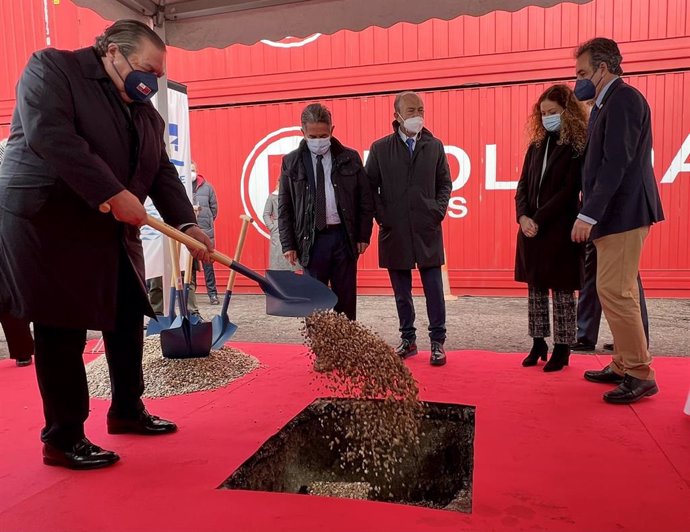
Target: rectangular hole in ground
column 299, row 459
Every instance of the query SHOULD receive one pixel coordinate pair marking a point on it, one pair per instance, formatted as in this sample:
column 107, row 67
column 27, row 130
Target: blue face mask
column 551, row 122
column 139, row 86
column 585, row 89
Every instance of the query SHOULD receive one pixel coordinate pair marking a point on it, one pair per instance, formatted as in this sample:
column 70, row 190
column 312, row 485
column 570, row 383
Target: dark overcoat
column 620, row 191
column 411, row 195
column 550, row 260
column 74, row 144
column 297, row 198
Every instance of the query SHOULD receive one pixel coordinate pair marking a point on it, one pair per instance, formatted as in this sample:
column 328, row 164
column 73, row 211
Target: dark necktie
column 410, row 146
column 592, row 119
column 320, row 212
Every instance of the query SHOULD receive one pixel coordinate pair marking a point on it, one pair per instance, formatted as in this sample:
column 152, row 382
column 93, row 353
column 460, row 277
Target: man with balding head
column 410, row 179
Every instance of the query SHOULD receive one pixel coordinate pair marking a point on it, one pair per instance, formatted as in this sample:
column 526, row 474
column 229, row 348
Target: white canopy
column 196, row 24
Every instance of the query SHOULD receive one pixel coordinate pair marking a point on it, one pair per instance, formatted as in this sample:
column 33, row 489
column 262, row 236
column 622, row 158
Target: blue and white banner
column 180, row 156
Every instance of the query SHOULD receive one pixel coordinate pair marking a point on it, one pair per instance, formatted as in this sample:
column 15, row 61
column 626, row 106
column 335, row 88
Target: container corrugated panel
column 530, row 29
column 483, row 130
column 22, row 31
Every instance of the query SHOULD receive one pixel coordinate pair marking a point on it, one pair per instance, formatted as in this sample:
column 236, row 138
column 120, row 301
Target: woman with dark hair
column 547, row 203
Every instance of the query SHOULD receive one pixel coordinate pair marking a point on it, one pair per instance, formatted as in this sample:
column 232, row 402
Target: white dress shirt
column 332, row 216
column 405, row 137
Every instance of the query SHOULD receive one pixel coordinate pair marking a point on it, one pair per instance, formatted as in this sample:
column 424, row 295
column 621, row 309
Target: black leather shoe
column 82, row 455
column 631, row 390
column 214, row 300
column 539, row 350
column 407, row 348
column 606, row 376
column 607, row 347
column 145, row 424
column 438, row 354
column 559, row 358
column 583, row 347
column 23, row 362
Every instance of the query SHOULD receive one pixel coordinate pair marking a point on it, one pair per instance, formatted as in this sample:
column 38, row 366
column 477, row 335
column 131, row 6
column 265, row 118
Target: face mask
column 193, row 175
column 551, row 122
column 414, row 125
column 319, row 146
column 139, row 86
column 585, row 89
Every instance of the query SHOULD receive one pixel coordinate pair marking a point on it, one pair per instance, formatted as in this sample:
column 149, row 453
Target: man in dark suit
column 84, row 134
column 411, row 182
column 620, row 203
column 325, row 209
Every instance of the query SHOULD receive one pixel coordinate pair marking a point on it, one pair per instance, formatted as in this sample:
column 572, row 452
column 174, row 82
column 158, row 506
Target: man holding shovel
column 83, row 134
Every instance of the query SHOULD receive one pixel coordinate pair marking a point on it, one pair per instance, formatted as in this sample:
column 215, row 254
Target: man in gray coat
column 205, row 200
column 411, row 183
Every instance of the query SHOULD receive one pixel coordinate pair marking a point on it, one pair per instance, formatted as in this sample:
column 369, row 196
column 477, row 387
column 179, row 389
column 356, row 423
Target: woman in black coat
column 547, row 204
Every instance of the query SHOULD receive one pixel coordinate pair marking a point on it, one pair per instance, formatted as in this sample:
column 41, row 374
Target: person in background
column 546, row 203
column 205, row 201
column 411, row 183
column 84, row 135
column 620, row 203
column 20, row 343
column 276, row 259
column 325, row 209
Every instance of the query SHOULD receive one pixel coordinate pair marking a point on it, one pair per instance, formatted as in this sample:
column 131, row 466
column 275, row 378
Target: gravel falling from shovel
column 380, row 436
column 165, row 377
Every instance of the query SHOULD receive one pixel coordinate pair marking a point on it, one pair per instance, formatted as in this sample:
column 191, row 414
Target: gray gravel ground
column 493, row 324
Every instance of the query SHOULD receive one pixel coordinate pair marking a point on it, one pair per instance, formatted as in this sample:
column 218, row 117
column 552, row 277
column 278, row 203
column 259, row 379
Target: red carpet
column 550, row 455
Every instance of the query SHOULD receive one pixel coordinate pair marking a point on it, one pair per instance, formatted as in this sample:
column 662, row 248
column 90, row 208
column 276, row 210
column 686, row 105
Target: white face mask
column 551, row 122
column 414, row 125
column 319, row 146
column 193, row 175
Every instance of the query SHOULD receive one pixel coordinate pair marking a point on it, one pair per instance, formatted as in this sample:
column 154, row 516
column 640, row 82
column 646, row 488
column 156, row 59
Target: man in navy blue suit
column 620, row 203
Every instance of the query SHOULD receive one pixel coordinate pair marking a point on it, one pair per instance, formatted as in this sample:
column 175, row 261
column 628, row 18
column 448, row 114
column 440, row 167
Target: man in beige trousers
column 620, row 203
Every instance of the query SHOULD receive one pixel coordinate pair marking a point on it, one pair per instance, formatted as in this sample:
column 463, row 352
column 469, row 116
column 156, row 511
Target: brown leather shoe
column 145, row 424
column 82, row 455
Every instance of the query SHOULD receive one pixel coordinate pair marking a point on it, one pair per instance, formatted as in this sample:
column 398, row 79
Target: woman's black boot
column 539, row 350
column 559, row 358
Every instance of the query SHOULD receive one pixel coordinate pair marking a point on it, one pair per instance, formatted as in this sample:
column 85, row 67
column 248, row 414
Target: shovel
column 193, row 318
column 287, row 294
column 184, row 339
column 164, row 322
column 223, row 328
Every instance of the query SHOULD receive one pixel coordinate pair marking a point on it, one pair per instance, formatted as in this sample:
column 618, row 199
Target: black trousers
column 432, row 282
column 62, row 376
column 331, row 262
column 18, row 336
column 589, row 307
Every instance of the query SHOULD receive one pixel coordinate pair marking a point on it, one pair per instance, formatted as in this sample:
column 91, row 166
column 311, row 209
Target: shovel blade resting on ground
column 163, row 322
column 184, row 339
column 223, row 328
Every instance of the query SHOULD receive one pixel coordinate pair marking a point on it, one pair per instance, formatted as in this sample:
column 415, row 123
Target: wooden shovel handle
column 175, row 256
column 178, row 236
column 246, row 220
column 188, row 271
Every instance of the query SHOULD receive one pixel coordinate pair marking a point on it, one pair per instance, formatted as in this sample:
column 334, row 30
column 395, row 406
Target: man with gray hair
column 411, row 184
column 325, row 209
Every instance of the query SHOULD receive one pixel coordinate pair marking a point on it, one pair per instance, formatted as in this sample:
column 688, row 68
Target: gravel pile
column 379, row 435
column 165, row 377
